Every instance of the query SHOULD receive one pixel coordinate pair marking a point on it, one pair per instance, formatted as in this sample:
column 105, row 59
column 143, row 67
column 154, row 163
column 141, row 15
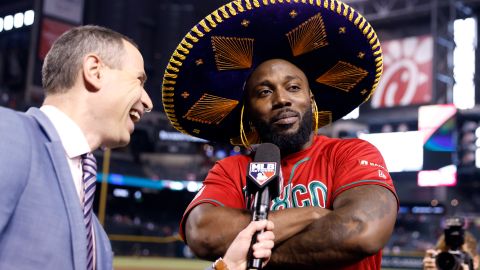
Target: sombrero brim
column 333, row 44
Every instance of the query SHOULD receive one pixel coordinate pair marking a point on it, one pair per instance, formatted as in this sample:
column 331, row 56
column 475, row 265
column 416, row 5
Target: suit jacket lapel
column 67, row 187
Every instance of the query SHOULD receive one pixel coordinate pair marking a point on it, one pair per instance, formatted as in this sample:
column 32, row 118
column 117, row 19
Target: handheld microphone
column 263, row 182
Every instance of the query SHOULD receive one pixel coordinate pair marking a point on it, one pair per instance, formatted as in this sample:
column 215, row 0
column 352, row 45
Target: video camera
column 454, row 239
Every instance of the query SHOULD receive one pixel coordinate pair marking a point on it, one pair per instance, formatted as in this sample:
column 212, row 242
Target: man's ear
column 92, row 72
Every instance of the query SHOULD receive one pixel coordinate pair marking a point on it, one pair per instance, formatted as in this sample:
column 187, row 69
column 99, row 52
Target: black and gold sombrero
column 333, row 44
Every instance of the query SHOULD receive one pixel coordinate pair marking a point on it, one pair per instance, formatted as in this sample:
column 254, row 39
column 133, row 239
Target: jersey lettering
column 282, row 201
column 301, row 196
column 314, row 195
column 319, row 193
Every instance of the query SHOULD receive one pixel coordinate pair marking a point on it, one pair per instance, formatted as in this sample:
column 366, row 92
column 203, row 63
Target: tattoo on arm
column 340, row 236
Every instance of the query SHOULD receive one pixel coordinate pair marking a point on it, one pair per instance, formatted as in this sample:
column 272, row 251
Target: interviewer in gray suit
column 94, row 80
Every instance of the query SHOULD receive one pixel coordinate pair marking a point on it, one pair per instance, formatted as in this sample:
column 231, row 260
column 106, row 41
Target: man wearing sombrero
column 275, row 71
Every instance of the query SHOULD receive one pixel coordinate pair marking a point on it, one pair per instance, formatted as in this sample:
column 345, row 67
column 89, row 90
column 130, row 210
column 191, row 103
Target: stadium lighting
column 465, row 37
column 120, row 192
column 159, row 184
column 18, row 20
column 8, row 22
column 193, row 186
column 28, row 17
column 176, row 185
column 445, row 176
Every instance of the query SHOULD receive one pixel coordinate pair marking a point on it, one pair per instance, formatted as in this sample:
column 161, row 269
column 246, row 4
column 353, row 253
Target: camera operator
column 456, row 249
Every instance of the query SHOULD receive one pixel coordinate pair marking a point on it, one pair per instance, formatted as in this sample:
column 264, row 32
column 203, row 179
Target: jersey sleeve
column 359, row 163
column 223, row 186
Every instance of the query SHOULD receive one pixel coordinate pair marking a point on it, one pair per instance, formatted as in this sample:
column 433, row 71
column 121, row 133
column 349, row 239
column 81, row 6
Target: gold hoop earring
column 247, row 139
column 243, row 135
column 315, row 115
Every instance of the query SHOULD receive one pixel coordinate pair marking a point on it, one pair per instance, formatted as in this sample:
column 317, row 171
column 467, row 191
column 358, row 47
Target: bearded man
column 276, row 71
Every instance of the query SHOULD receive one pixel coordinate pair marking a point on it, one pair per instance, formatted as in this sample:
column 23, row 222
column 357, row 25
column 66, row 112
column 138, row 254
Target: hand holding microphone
column 235, row 258
column 263, row 183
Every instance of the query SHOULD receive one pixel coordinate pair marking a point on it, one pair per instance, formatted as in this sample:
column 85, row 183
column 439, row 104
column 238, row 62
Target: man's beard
column 288, row 143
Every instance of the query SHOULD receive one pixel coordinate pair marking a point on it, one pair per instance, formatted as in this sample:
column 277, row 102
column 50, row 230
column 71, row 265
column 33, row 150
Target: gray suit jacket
column 41, row 219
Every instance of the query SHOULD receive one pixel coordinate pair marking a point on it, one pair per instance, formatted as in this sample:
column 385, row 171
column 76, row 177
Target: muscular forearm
column 325, row 242
column 292, row 221
column 210, row 229
column 349, row 233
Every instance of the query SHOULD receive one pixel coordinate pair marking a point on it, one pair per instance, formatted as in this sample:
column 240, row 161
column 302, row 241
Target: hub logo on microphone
column 261, row 172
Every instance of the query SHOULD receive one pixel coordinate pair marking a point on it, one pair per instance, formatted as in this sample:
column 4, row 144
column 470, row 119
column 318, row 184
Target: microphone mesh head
column 267, row 152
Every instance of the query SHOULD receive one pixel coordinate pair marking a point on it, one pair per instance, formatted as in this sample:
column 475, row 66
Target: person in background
column 470, row 247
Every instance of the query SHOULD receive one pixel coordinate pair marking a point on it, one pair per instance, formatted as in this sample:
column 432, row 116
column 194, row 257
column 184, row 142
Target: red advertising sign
column 407, row 73
column 50, row 30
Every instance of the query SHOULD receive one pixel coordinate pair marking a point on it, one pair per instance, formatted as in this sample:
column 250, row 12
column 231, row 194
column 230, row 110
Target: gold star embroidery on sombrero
column 293, row 14
column 232, row 52
column 210, row 109
column 308, row 36
column 185, row 94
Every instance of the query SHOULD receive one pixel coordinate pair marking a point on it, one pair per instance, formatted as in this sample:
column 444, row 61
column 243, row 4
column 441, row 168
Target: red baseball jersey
column 312, row 177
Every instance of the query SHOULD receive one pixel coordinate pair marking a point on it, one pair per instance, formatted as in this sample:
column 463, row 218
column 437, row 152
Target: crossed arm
column 359, row 225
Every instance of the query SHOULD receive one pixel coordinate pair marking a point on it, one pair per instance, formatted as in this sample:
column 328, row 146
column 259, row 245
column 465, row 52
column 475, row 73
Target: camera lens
column 448, row 261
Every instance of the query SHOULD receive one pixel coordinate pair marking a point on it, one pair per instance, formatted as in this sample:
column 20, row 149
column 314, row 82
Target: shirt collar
column 73, row 140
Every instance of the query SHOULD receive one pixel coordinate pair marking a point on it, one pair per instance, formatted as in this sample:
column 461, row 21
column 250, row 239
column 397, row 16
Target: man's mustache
column 285, row 113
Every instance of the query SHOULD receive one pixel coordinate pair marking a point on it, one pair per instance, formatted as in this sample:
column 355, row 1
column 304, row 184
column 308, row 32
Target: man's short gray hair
column 64, row 60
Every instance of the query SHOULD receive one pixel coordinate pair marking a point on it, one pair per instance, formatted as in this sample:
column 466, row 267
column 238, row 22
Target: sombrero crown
column 333, row 44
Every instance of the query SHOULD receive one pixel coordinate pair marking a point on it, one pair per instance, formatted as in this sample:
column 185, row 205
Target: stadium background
column 424, row 118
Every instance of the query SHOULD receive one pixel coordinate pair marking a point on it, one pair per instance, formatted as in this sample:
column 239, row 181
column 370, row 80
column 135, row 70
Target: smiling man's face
column 279, row 104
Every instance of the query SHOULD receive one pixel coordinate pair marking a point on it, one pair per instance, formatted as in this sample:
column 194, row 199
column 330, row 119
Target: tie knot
column 89, row 163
